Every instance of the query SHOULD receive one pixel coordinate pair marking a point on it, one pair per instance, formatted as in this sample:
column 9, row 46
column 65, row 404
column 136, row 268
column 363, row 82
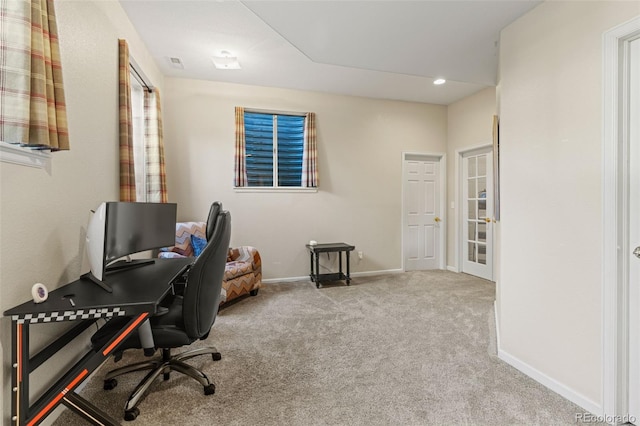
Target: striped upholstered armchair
column 243, row 272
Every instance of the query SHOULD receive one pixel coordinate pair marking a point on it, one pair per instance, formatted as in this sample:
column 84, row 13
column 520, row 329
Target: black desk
column 136, row 293
column 315, row 250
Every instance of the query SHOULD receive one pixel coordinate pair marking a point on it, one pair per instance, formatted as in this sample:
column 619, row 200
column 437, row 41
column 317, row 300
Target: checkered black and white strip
column 80, row 314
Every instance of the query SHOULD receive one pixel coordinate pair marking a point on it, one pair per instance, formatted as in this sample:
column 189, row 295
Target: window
column 274, row 145
column 275, row 150
column 137, row 127
column 142, row 171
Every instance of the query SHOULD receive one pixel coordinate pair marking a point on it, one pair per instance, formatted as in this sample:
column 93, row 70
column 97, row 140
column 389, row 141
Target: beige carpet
column 405, row 349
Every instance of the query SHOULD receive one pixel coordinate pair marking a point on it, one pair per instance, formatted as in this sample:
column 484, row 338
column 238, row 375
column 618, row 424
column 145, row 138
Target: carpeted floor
column 405, row 349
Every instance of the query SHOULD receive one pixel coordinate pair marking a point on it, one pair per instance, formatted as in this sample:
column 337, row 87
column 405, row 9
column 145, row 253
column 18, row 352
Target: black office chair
column 187, row 318
column 214, row 211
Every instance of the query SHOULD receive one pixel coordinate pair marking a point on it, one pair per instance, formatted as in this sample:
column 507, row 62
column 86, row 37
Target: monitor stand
column 117, row 266
column 128, row 263
column 89, row 276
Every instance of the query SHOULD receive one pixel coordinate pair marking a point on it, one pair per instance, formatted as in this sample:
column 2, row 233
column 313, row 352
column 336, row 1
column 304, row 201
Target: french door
column 477, row 213
column 634, row 231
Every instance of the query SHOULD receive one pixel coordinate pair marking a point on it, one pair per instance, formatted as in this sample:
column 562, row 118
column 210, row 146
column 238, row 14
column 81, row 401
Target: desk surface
column 330, row 247
column 135, row 290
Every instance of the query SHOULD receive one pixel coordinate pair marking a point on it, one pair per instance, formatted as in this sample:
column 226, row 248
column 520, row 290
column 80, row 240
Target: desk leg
column 340, row 263
column 317, row 270
column 311, row 265
column 85, row 410
column 348, row 276
column 63, row 391
column 19, row 372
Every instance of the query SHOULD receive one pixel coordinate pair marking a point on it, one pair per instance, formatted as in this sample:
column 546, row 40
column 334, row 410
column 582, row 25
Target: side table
column 315, row 250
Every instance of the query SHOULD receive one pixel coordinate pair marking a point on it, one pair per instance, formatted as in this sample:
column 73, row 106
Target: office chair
column 187, row 318
column 214, row 211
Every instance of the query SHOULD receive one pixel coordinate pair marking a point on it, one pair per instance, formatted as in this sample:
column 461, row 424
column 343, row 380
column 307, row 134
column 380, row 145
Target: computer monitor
column 119, row 229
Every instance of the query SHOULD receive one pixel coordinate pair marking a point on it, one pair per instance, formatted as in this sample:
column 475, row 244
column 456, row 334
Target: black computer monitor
column 119, row 229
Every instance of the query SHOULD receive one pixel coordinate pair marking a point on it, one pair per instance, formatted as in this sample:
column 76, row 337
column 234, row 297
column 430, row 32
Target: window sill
column 16, row 154
column 273, row 189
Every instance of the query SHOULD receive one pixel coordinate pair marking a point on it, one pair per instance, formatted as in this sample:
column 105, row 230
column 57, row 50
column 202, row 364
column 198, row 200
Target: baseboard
column 452, row 269
column 559, row 388
column 372, row 273
column 285, row 280
column 495, row 315
column 353, row 275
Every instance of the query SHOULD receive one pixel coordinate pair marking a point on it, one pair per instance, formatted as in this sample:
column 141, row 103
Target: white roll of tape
column 39, row 292
column 313, row 243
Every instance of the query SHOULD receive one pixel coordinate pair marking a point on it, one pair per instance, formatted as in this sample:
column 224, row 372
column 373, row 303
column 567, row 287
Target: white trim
column 614, row 294
column 452, row 269
column 15, row 154
column 374, row 273
column 285, row 280
column 495, row 318
column 274, row 189
column 554, row 385
column 442, row 160
column 276, row 112
column 353, row 275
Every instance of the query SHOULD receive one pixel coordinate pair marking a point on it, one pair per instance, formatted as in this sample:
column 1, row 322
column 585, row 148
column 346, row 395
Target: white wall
column 43, row 216
column 549, row 294
column 469, row 125
column 360, row 145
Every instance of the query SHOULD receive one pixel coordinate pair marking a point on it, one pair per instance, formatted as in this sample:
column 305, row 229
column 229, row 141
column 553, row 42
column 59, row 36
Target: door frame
column 615, row 279
column 459, row 191
column 442, row 162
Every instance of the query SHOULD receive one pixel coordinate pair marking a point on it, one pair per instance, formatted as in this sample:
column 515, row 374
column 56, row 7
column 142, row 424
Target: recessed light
column 439, row 81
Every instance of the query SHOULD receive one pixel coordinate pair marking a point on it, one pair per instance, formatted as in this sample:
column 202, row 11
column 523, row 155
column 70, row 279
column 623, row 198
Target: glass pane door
column 477, row 205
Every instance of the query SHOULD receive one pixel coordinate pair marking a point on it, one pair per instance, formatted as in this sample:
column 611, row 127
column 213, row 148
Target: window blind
column 274, row 146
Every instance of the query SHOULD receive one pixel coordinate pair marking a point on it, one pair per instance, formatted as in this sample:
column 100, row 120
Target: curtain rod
column 140, row 78
column 140, row 75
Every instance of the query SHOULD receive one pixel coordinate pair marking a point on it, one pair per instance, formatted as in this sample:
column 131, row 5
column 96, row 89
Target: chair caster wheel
column 254, row 292
column 130, row 415
column 109, row 384
column 210, row 389
column 217, row 356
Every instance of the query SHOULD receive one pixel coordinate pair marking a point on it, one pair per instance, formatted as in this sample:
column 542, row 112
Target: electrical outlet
column 360, row 255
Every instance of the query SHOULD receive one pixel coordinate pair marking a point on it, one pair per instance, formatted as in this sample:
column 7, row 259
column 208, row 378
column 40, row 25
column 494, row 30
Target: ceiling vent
column 176, row 63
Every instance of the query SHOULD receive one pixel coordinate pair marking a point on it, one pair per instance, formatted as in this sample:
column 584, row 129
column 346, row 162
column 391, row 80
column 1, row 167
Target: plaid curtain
column 310, row 153
column 127, row 170
column 154, row 148
column 32, row 105
column 240, row 165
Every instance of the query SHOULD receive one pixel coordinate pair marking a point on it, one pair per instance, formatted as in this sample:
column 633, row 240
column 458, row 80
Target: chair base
column 163, row 365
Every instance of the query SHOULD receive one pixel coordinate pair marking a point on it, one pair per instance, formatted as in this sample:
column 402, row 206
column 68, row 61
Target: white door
column 634, row 228
column 422, row 218
column 477, row 213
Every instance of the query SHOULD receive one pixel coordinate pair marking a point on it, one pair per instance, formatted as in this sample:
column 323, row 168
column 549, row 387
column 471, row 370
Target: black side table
column 339, row 248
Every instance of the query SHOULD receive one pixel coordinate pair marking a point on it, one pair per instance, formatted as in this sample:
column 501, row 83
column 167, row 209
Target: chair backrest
column 215, row 209
column 204, row 282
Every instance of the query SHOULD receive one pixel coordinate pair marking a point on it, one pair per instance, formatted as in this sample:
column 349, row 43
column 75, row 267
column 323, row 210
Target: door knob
column 486, row 219
column 636, row 252
column 437, row 219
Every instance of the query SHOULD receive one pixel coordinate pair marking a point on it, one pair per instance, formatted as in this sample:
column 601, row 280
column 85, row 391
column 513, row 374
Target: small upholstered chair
column 187, row 318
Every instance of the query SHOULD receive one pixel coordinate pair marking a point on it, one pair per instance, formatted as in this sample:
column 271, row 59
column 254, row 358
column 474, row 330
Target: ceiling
column 380, row 49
